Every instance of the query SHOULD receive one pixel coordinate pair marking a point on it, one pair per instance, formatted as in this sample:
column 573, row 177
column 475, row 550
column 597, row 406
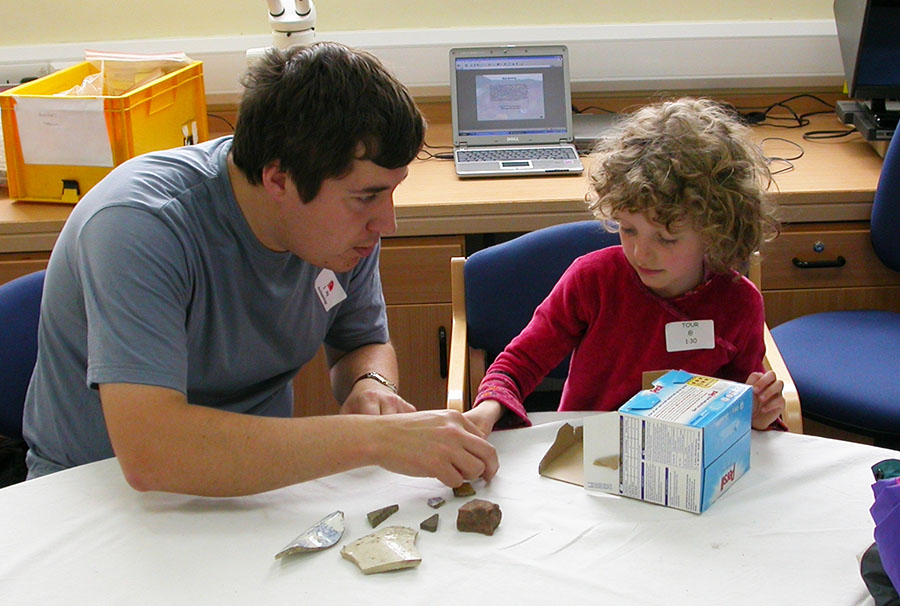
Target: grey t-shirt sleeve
column 135, row 283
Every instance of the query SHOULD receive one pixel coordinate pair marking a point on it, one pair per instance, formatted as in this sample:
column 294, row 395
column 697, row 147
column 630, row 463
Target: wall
column 655, row 43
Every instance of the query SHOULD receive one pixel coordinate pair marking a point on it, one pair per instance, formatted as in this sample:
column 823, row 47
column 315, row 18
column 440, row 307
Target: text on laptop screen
column 511, row 95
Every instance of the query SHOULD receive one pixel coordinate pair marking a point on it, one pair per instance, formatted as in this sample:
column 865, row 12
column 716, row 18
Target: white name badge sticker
column 685, row 336
column 329, row 290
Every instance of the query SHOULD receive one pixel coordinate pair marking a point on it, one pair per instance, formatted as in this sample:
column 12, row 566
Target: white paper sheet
column 63, row 131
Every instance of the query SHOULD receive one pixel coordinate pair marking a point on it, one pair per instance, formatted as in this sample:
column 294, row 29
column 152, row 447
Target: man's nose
column 385, row 220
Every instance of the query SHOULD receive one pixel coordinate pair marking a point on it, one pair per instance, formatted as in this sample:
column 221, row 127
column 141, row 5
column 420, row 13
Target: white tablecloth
column 788, row 532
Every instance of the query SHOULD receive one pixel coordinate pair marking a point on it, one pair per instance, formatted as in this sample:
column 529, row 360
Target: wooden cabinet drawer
column 836, row 255
column 417, row 270
column 787, row 304
column 13, row 265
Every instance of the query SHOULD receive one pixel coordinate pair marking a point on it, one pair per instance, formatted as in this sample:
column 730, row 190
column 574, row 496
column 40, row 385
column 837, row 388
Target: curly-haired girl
column 687, row 191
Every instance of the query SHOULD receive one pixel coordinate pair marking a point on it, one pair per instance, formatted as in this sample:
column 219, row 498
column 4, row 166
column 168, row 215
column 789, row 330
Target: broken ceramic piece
column 478, row 516
column 435, row 502
column 392, row 548
column 380, row 515
column 321, row 535
column 464, row 490
column 430, row 524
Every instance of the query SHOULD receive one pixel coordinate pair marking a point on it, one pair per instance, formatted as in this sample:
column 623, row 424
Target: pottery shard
column 430, row 524
column 478, row 516
column 464, row 490
column 393, row 548
column 380, row 515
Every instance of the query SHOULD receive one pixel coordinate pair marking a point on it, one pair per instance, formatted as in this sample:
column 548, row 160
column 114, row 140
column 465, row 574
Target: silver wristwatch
column 377, row 376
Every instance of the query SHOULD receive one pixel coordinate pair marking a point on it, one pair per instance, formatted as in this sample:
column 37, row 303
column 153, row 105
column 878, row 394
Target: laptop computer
column 512, row 111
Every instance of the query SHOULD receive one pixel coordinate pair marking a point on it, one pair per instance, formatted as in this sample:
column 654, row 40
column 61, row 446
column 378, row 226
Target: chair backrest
column 506, row 282
column 885, row 222
column 20, row 302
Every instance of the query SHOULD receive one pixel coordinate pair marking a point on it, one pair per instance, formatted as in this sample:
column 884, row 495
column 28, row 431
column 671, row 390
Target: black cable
column 759, row 116
column 425, row 154
column 815, row 135
column 583, row 110
column 222, row 118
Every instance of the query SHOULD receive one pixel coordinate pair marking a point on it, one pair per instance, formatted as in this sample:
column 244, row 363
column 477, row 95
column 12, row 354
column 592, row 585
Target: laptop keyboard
column 523, row 153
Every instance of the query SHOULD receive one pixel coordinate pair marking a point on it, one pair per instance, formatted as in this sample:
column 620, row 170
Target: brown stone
column 464, row 490
column 380, row 515
column 478, row 516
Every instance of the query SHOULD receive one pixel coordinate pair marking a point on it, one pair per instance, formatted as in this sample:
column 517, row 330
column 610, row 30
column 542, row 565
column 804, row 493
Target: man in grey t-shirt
column 189, row 286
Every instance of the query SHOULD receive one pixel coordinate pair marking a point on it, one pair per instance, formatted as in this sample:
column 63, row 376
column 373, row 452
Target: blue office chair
column 495, row 292
column 846, row 364
column 20, row 302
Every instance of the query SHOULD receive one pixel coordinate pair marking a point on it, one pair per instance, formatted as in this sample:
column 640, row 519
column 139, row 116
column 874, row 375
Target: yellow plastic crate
column 165, row 113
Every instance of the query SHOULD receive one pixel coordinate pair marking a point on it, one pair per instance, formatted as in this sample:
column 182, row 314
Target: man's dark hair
column 310, row 109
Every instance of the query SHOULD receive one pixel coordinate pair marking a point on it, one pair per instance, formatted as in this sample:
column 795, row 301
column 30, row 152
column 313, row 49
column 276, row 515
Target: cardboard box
column 680, row 444
column 58, row 147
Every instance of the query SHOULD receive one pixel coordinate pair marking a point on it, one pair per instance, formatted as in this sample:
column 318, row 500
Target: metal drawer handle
column 839, row 262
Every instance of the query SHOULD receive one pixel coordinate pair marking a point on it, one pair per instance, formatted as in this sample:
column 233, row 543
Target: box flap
column 564, row 460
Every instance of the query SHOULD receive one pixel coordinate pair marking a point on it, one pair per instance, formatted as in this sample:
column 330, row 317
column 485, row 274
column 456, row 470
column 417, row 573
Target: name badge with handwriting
column 329, row 290
column 686, row 336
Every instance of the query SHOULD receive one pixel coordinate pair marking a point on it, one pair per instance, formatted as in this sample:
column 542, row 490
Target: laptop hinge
column 563, row 141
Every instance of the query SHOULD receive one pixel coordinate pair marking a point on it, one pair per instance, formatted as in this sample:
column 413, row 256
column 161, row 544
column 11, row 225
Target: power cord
column 222, row 118
column 763, row 118
column 787, row 161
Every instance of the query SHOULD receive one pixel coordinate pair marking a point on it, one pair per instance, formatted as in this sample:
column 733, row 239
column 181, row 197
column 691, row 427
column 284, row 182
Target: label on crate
column 63, row 131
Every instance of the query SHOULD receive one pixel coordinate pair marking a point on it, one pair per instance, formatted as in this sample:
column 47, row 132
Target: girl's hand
column 768, row 401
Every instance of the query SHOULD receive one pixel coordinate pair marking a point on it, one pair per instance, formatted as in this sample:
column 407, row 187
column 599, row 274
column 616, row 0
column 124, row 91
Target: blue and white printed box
column 680, row 444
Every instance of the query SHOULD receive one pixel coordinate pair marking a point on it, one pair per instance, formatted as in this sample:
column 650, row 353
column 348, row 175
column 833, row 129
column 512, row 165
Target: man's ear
column 275, row 180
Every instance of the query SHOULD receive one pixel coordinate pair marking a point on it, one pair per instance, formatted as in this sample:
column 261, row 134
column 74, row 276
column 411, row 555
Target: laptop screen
column 504, row 94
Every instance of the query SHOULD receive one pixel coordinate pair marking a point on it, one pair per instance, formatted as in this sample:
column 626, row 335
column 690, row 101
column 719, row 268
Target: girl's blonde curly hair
column 688, row 162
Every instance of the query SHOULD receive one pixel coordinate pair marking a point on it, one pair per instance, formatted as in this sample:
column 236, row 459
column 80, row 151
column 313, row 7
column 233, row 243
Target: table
column 788, row 532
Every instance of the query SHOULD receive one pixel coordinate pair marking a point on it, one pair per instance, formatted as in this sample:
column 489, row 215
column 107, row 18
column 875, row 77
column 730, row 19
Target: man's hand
column 768, row 401
column 370, row 398
column 442, row 444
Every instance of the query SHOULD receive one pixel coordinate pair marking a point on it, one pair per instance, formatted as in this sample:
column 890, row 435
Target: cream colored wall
column 60, row 21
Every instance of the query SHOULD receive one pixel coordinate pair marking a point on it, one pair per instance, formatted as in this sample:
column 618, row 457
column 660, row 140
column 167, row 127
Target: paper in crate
column 681, row 443
column 58, row 147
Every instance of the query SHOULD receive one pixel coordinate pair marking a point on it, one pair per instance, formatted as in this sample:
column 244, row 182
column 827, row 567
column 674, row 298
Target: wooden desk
column 834, row 181
column 827, row 198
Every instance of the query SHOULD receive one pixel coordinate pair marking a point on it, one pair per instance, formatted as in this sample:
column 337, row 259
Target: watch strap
column 377, row 376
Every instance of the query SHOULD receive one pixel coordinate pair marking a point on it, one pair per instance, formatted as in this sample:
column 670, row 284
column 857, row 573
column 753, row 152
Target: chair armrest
column 773, row 361
column 457, row 372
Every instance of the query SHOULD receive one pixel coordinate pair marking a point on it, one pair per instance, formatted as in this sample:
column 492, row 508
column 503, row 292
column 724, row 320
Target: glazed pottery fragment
column 435, row 502
column 380, row 515
column 321, row 535
column 392, row 548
